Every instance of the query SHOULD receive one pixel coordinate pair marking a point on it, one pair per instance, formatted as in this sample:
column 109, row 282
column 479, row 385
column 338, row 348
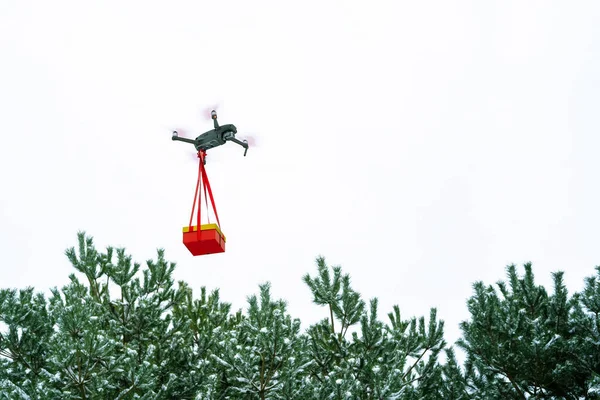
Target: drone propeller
column 182, row 132
column 250, row 139
column 207, row 111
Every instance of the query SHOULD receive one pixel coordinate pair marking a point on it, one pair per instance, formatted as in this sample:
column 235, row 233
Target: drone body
column 215, row 137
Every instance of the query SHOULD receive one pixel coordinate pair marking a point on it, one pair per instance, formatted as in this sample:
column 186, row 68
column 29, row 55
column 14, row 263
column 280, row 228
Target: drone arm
column 186, row 140
column 243, row 144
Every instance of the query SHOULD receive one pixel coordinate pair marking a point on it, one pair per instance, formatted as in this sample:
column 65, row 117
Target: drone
column 218, row 136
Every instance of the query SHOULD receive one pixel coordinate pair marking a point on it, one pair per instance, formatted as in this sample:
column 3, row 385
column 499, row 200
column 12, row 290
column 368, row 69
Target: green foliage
column 130, row 332
column 523, row 343
column 25, row 346
column 344, row 303
column 381, row 361
column 86, row 342
column 585, row 341
column 263, row 357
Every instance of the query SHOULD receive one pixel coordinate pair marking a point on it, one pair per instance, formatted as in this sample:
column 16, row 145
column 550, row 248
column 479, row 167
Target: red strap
column 196, row 195
column 212, row 200
column 200, row 174
column 206, row 201
column 199, row 199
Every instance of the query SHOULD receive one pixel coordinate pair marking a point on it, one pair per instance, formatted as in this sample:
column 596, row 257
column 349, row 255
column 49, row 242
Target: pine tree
column 25, row 346
column 136, row 323
column 202, row 324
column 455, row 385
column 127, row 331
column 263, row 357
column 519, row 344
column 86, row 342
column 415, row 347
column 586, row 340
column 396, row 361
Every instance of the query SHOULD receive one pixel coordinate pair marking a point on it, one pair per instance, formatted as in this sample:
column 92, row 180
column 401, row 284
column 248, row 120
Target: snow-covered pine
column 120, row 330
column 378, row 360
column 526, row 342
column 264, row 356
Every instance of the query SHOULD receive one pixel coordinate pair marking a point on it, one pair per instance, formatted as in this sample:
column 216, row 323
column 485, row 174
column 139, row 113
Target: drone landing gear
column 244, row 143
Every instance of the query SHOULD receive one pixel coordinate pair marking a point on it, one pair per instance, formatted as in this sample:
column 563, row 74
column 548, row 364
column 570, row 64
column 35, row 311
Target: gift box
column 208, row 240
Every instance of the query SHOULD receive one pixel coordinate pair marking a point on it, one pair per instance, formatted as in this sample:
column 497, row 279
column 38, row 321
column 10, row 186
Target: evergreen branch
column 6, row 354
column 331, row 316
column 515, row 385
column 3, row 352
column 248, row 379
column 415, row 363
column 81, row 381
column 502, row 372
column 262, row 370
column 273, row 370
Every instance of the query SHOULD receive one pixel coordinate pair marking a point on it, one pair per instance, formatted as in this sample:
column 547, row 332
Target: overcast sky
column 422, row 146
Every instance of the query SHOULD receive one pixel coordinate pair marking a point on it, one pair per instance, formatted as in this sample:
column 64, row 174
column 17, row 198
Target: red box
column 208, row 240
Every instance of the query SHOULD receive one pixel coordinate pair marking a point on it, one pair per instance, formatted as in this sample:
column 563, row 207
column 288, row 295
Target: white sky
column 421, row 145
